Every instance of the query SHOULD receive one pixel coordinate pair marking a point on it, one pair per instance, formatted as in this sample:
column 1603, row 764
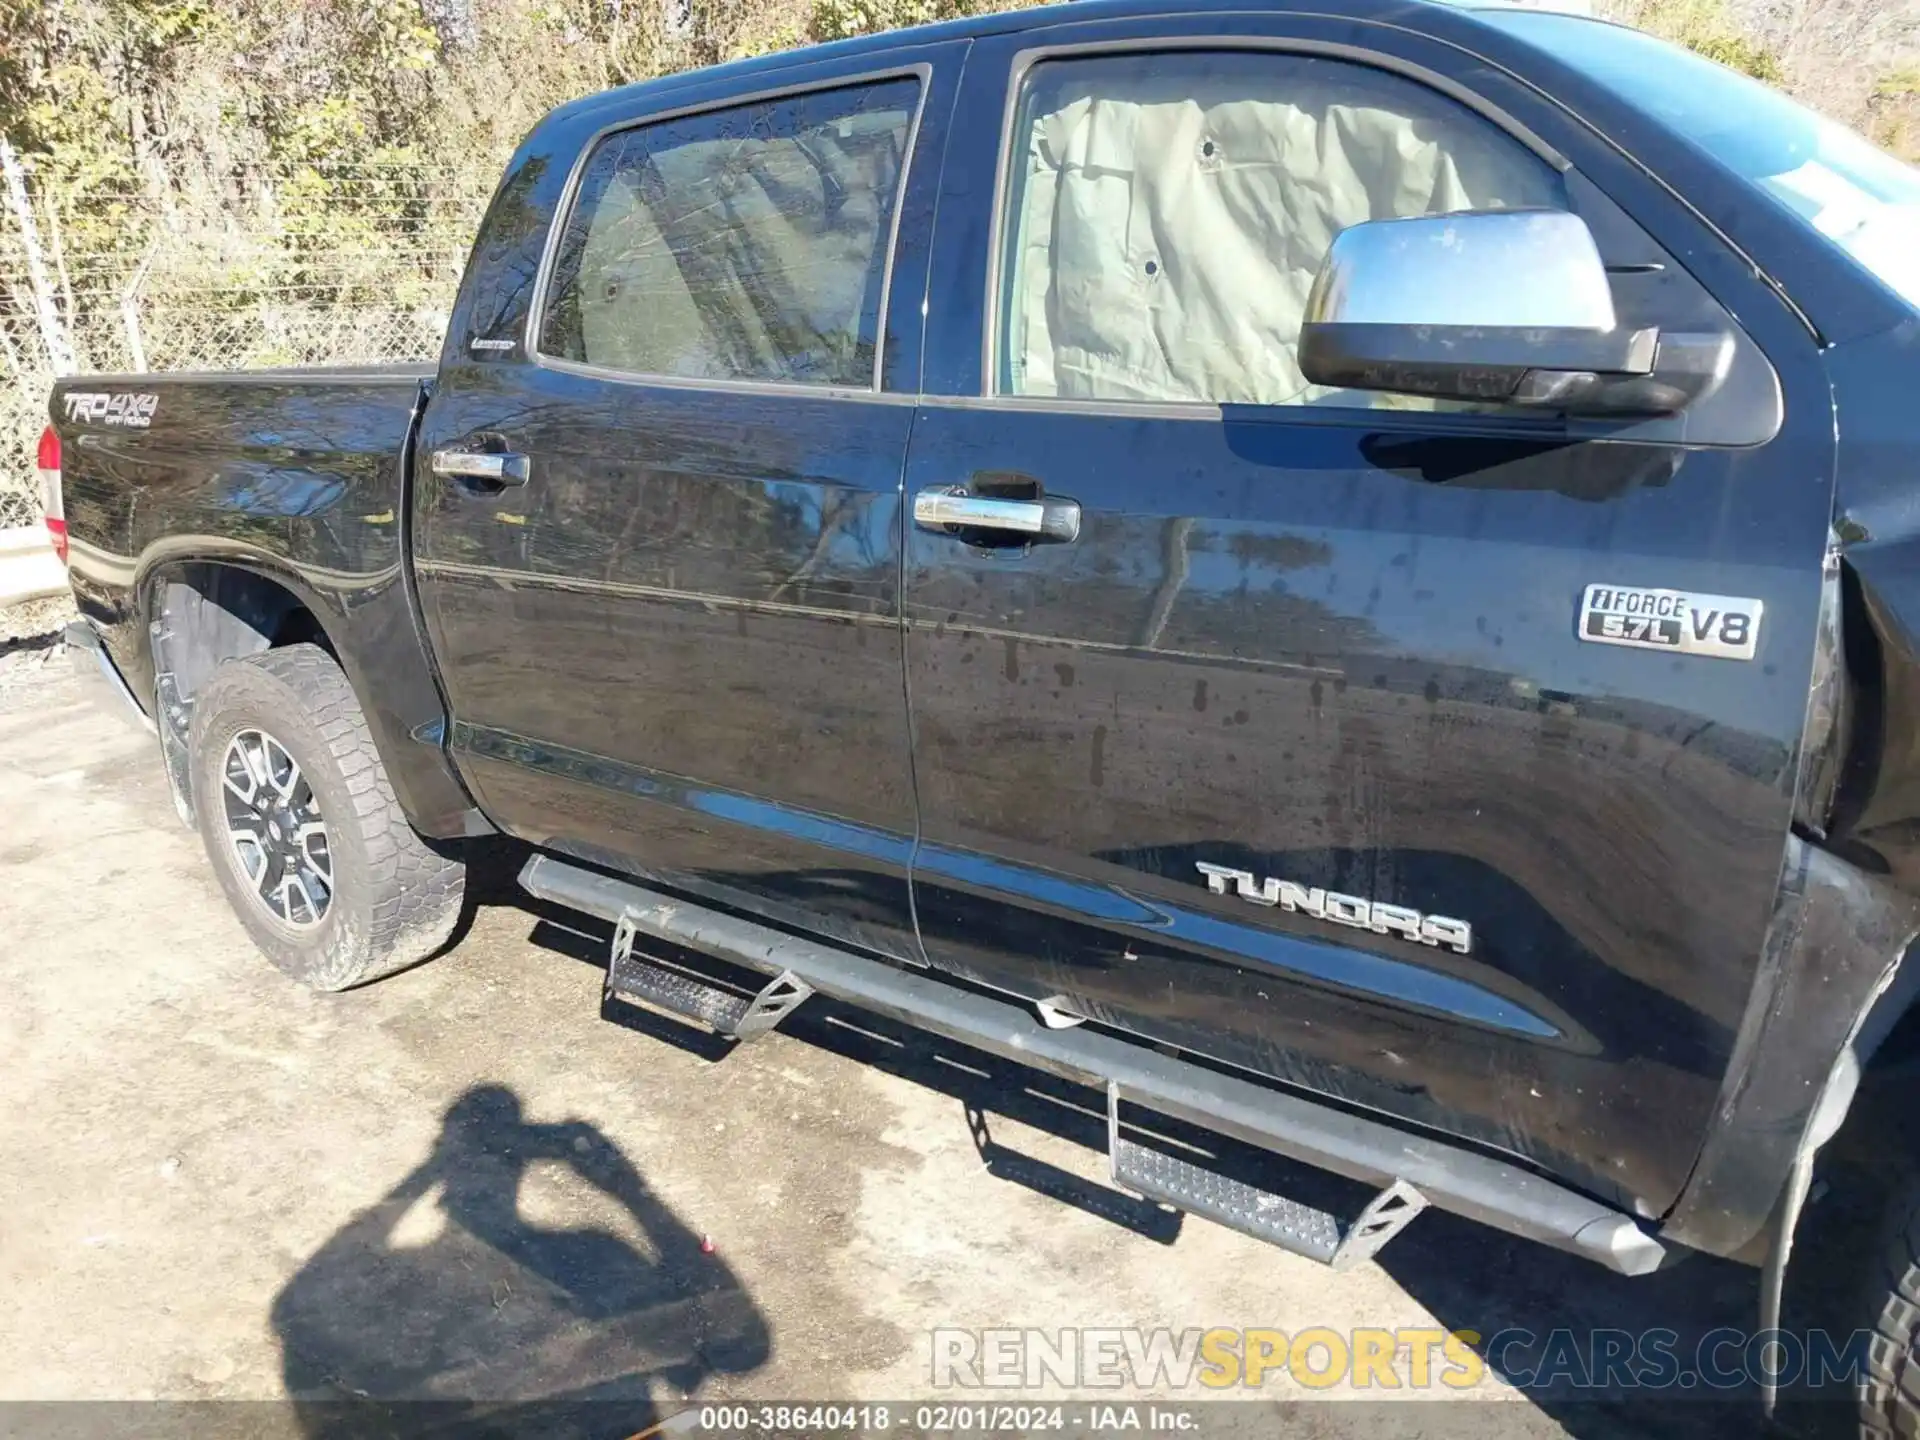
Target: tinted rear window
column 748, row 243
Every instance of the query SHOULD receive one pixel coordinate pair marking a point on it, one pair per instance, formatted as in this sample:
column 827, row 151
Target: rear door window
column 748, row 243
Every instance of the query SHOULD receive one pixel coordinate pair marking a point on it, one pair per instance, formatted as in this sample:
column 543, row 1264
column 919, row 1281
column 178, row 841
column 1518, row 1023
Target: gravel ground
column 30, row 640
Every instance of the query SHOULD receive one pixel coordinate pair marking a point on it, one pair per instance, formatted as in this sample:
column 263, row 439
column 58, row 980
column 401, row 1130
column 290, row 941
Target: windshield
column 1858, row 197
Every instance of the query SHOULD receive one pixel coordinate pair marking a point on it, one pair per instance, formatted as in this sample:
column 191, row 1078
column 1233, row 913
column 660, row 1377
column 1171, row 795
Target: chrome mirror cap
column 1492, row 307
column 1485, row 269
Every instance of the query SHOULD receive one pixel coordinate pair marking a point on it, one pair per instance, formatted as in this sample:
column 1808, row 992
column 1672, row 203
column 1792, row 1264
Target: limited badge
column 1724, row 626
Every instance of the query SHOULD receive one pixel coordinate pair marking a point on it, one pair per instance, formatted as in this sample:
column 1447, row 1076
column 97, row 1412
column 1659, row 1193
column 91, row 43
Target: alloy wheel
column 276, row 830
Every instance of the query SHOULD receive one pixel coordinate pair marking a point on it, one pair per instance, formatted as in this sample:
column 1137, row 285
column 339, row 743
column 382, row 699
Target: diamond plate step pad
column 631, row 977
column 1266, row 1216
column 1290, row 1224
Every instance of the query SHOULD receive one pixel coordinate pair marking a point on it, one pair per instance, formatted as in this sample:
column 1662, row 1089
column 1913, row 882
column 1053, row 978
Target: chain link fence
column 317, row 265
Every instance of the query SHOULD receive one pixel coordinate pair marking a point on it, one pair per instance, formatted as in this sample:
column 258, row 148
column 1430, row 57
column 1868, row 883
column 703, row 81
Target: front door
column 1252, row 718
column 671, row 638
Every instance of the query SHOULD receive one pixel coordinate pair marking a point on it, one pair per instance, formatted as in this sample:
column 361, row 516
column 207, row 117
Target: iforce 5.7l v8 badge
column 1724, row 626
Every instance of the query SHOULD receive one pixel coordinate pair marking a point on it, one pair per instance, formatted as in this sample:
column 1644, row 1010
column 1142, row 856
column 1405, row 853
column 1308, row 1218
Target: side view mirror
column 1508, row 306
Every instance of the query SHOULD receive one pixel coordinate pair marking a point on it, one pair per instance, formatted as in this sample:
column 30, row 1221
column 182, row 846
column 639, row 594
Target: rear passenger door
column 1190, row 640
column 670, row 636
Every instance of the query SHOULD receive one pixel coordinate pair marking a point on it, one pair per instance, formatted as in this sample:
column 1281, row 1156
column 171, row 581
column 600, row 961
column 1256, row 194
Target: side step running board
column 636, row 978
column 1291, row 1224
column 1464, row 1182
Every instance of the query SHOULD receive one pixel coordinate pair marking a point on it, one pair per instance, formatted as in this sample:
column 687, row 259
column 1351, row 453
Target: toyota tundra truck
column 1345, row 577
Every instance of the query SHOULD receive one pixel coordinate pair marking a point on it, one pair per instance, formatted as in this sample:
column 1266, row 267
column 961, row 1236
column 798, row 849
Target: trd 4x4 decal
column 119, row 407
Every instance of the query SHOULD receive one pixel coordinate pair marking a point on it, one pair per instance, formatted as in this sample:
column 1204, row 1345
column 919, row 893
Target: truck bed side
column 241, row 509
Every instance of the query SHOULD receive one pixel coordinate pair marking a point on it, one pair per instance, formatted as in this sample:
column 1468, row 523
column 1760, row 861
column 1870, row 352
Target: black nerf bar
column 1465, row 1182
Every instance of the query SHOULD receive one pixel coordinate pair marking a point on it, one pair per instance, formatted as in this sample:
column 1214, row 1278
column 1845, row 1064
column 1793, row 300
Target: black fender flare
column 368, row 623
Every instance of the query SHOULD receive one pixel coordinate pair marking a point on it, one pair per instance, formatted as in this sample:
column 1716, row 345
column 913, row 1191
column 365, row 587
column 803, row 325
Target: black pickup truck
column 1345, row 578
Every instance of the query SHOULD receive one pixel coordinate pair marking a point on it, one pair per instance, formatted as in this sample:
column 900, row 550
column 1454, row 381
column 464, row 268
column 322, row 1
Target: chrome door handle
column 948, row 509
column 491, row 466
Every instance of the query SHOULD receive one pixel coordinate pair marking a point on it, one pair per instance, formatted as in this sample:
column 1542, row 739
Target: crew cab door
column 669, row 627
column 1255, row 719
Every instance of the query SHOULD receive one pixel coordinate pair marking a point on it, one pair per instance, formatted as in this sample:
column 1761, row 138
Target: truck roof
column 1001, row 22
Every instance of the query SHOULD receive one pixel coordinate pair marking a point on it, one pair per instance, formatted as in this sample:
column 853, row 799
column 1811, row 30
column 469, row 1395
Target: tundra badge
column 1724, row 626
column 1374, row 915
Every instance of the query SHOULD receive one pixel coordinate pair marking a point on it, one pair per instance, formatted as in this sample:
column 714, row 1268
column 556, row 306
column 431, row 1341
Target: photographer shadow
column 445, row 1308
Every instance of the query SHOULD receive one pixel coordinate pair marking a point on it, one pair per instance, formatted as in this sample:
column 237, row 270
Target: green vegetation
column 1707, row 27
column 1828, row 53
column 333, row 151
column 1894, row 111
column 102, row 94
column 260, row 149
column 231, row 156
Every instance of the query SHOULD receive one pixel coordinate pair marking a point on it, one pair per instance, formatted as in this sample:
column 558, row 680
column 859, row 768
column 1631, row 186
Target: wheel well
column 1901, row 1048
column 209, row 614
column 1874, row 1139
column 1882, row 1114
column 1884, row 1050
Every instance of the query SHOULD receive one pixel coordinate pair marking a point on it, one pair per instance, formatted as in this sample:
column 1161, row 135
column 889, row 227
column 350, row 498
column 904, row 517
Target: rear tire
column 1890, row 1390
column 301, row 824
column 1854, row 1270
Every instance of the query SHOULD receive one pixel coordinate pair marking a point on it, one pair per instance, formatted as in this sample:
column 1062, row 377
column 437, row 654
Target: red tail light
column 50, row 499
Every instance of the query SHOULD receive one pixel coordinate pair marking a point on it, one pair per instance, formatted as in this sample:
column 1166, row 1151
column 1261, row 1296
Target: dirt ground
column 464, row 1183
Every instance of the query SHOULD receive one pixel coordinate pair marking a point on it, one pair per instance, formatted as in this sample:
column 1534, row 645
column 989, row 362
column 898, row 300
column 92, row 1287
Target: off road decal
column 118, row 407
